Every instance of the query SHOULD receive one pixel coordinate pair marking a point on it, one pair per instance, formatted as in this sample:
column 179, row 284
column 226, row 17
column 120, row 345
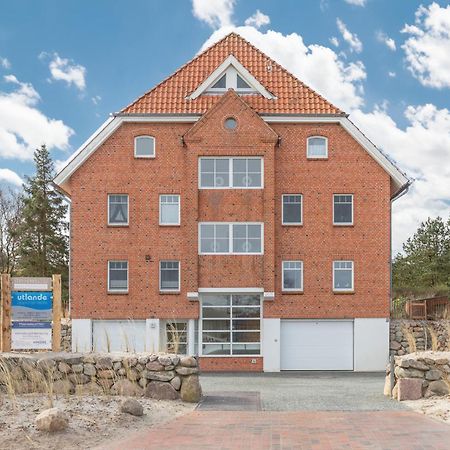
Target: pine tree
column 44, row 237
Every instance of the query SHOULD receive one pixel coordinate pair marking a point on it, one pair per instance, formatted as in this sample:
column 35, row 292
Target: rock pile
column 159, row 376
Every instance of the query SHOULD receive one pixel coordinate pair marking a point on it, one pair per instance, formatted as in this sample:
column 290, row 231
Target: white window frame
column 283, row 289
column 230, row 238
column 291, row 224
column 179, row 275
column 344, row 224
column 231, row 83
column 315, row 156
column 231, row 355
column 179, row 211
column 352, row 289
column 118, row 291
column 113, row 224
column 230, row 172
column 154, row 147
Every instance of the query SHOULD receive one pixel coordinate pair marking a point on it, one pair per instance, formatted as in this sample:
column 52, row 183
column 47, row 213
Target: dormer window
column 221, row 83
column 231, row 79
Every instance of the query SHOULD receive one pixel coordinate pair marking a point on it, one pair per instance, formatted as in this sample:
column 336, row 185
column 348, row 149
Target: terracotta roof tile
column 293, row 96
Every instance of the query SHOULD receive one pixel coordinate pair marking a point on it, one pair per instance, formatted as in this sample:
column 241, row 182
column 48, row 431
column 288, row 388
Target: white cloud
column 392, row 74
column 23, row 127
column 96, row 99
column 351, row 38
column 11, row 177
column 356, row 2
column 334, row 41
column 4, row 62
column 427, row 49
column 386, row 40
column 216, row 13
column 318, row 66
column 258, row 20
column 64, row 69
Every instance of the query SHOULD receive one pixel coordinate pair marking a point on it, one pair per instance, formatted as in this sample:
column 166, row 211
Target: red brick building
column 234, row 213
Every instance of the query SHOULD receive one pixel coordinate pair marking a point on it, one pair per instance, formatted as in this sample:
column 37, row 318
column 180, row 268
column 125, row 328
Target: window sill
column 343, row 292
column 144, row 157
column 300, row 224
column 169, row 292
column 317, row 158
column 292, row 292
column 169, row 225
column 117, row 292
column 110, row 225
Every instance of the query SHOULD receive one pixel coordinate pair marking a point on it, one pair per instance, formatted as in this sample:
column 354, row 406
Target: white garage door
column 118, row 335
column 316, row 345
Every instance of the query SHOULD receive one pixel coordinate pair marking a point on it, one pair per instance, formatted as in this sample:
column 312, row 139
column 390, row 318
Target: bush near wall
column 159, row 376
column 408, row 336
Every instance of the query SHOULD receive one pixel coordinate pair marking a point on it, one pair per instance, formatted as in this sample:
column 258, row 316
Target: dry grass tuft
column 410, row 338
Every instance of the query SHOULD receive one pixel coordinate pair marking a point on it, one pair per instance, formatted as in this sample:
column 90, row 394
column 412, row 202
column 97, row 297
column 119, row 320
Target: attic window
column 241, row 84
column 221, row 83
column 231, row 79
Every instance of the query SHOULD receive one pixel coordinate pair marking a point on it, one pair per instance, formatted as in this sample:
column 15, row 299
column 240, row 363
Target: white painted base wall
column 371, row 344
column 81, row 335
column 271, row 344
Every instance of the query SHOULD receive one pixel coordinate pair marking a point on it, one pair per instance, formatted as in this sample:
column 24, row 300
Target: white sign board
column 31, row 336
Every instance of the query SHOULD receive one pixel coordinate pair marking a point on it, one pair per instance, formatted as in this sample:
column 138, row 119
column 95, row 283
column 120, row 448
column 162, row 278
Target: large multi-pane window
column 317, row 147
column 292, row 276
column 292, row 209
column 238, row 172
column 169, row 275
column 230, row 324
column 117, row 276
column 118, row 209
column 343, row 276
column 230, row 238
column 169, row 210
column 343, row 209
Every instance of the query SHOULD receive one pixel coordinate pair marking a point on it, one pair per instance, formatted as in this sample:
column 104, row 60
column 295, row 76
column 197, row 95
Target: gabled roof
column 172, row 96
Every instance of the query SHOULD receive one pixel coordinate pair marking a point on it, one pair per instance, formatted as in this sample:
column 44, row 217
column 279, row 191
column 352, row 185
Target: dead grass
column 410, row 339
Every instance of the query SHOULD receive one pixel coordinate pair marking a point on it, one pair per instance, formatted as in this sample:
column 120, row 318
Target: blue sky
column 65, row 65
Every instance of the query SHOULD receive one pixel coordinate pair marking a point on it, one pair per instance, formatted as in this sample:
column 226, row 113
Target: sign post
column 56, row 337
column 5, row 313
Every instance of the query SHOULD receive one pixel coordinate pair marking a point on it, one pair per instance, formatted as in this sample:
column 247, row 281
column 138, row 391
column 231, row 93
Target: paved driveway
column 299, row 391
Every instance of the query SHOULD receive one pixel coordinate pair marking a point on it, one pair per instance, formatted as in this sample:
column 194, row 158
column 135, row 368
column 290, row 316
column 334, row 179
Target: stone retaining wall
column 423, row 334
column 159, row 376
column 420, row 374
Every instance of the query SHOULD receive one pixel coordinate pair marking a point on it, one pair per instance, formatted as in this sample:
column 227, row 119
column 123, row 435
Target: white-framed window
column 169, row 276
column 231, row 173
column 118, row 209
column 230, row 324
column 343, row 276
column 144, row 147
column 237, row 238
column 169, row 209
column 292, row 276
column 176, row 336
column 317, row 147
column 342, row 209
column 231, row 79
column 118, row 276
column 292, row 209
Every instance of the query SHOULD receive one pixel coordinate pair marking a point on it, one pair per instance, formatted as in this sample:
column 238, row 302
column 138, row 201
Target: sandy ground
column 435, row 407
column 92, row 420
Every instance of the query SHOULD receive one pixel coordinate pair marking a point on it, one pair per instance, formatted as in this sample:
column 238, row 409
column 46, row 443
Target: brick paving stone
column 269, row 430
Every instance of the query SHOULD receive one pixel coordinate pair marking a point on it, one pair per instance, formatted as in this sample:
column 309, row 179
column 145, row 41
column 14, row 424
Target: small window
column 117, row 276
column 169, row 276
column 317, row 147
column 144, row 147
column 342, row 209
column 176, row 335
column 292, row 277
column 292, row 209
column 221, row 83
column 118, row 209
column 242, row 84
column 230, row 123
column 343, row 276
column 169, row 210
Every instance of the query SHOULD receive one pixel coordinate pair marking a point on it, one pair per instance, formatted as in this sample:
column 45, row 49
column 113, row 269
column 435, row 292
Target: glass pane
column 317, row 147
column 207, row 180
column 246, row 349
column 206, row 165
column 215, row 300
column 239, row 165
column 239, row 231
column 217, row 325
column 220, row 83
column 169, row 279
column 222, row 231
column 246, row 300
column 254, row 231
column 216, row 349
column 292, row 212
column 222, row 165
column 254, row 180
column 292, row 279
column 246, row 324
column 221, row 179
column 254, row 165
column 343, row 279
column 118, row 277
column 145, row 146
column 216, row 313
column 248, row 336
column 342, row 212
column 118, row 209
column 248, row 312
column 241, row 84
column 212, row 337
column 169, row 213
column 207, row 230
